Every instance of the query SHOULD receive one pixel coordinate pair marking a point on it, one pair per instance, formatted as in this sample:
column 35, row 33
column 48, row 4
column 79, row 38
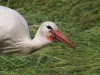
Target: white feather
column 14, row 33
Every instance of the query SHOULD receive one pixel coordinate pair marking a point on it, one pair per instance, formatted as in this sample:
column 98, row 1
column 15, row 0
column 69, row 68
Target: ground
column 79, row 20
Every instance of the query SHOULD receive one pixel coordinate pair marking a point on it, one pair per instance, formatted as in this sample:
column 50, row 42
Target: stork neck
column 39, row 41
column 29, row 46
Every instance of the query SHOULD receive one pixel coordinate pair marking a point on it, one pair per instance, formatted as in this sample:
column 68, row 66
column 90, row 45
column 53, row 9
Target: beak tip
column 72, row 46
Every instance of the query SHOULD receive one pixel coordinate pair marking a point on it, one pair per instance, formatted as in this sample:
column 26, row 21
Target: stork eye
column 49, row 27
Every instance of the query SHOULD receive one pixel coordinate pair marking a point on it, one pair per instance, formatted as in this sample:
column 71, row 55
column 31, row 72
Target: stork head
column 50, row 31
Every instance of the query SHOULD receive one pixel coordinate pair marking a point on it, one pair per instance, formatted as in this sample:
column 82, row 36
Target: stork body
column 14, row 33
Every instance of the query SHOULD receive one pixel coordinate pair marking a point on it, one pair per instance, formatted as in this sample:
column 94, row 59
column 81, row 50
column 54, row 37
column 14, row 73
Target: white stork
column 15, row 38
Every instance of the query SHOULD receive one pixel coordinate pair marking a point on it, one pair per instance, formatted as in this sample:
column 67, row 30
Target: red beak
column 56, row 35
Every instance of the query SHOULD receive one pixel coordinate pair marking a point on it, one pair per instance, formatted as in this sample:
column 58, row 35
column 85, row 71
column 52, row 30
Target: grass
column 78, row 19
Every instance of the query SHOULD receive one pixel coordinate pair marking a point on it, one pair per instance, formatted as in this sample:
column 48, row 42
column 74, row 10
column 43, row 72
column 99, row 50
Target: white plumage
column 14, row 33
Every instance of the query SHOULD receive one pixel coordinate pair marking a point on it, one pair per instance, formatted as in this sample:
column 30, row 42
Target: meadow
column 79, row 20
